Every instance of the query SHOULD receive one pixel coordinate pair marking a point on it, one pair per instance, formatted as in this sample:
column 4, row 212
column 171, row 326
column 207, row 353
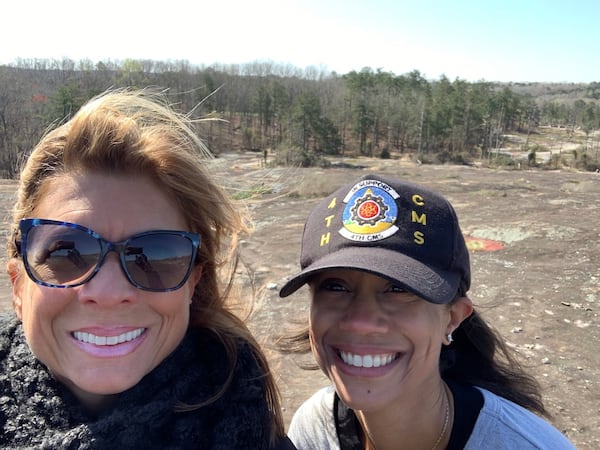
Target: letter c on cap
column 418, row 200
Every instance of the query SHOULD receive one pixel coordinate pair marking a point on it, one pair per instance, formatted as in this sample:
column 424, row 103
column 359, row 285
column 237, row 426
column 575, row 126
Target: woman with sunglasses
column 123, row 335
column 412, row 365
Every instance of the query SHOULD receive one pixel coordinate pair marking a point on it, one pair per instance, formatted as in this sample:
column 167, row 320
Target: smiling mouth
column 90, row 338
column 379, row 360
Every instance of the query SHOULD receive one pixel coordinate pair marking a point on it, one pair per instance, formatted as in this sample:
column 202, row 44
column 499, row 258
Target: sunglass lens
column 61, row 256
column 159, row 261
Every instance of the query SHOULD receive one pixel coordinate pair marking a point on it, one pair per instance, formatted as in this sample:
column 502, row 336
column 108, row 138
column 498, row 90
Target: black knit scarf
column 38, row 412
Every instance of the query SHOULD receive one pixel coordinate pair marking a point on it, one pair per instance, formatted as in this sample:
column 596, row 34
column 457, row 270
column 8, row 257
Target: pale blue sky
column 511, row 40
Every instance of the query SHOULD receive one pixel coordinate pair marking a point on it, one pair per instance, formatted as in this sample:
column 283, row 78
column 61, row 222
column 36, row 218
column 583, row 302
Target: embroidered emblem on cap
column 370, row 211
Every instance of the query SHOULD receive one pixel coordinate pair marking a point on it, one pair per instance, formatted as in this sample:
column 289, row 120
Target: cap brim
column 434, row 285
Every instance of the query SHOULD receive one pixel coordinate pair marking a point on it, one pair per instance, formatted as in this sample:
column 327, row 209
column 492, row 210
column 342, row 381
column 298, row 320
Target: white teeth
column 367, row 360
column 90, row 338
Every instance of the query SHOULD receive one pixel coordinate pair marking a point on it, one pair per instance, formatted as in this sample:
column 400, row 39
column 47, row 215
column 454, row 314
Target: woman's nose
column 109, row 286
column 364, row 315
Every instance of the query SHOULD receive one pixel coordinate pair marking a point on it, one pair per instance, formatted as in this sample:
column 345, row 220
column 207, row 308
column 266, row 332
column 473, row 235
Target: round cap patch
column 370, row 211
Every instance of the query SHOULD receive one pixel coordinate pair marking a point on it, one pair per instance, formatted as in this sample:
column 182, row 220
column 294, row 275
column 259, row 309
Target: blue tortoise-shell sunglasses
column 63, row 254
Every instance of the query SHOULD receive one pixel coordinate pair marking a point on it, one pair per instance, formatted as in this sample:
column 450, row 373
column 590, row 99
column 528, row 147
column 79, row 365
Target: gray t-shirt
column 501, row 425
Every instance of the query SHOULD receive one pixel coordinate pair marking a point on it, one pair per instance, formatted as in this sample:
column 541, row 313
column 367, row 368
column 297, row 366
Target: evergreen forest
column 307, row 116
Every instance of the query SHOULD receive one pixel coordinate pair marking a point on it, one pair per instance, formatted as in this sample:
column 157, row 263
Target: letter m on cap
column 422, row 219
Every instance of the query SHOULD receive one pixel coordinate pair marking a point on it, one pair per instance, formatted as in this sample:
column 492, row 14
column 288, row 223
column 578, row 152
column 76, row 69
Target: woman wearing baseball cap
column 412, row 364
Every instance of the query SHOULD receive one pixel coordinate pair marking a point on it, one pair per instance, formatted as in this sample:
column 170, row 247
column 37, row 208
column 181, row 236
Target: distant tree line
column 302, row 115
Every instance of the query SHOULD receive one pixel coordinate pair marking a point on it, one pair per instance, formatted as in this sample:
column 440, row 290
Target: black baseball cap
column 397, row 230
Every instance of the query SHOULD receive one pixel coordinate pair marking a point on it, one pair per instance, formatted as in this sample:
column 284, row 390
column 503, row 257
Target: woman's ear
column 14, row 273
column 460, row 309
column 196, row 274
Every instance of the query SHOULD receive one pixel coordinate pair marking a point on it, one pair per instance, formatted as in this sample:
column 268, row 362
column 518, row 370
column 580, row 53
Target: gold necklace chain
column 446, row 420
column 442, row 433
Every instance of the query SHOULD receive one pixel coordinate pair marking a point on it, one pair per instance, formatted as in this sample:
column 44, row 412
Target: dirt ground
column 541, row 289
